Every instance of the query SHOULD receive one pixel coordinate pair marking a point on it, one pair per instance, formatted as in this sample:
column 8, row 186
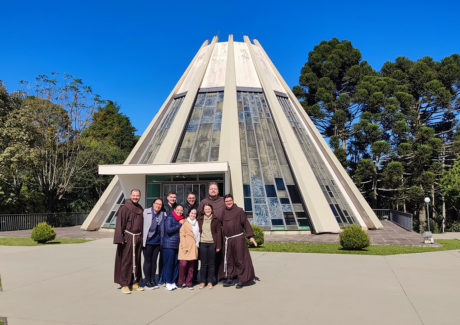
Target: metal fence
column 11, row 222
column 402, row 219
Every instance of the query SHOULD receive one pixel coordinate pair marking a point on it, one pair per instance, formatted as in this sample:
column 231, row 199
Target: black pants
column 208, row 262
column 150, row 262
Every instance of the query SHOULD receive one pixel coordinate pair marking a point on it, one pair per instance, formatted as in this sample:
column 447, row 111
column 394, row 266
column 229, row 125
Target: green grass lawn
column 335, row 248
column 27, row 241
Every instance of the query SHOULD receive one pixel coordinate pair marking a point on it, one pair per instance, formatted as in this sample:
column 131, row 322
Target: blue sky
column 133, row 52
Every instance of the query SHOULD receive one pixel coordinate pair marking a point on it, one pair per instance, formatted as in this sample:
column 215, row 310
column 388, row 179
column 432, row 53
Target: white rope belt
column 225, row 254
column 134, row 250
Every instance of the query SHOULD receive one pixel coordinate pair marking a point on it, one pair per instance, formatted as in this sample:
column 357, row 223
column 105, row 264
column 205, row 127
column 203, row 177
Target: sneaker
column 179, row 286
column 137, row 287
column 190, row 287
column 151, row 285
column 125, row 290
column 228, row 283
column 202, row 285
column 239, row 285
column 169, row 287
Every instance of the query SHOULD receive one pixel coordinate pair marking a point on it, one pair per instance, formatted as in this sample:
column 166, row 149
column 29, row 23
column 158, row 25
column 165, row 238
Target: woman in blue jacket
column 170, row 246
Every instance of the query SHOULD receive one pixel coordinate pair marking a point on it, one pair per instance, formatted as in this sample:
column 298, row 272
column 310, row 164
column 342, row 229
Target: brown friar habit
column 217, row 203
column 239, row 263
column 129, row 220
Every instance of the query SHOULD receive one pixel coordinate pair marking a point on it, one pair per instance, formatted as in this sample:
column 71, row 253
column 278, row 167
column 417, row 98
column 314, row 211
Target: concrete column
column 318, row 208
column 144, row 140
column 168, row 148
column 100, row 210
column 229, row 134
column 366, row 213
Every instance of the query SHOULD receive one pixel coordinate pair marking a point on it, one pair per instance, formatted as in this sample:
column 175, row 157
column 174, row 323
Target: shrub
column 43, row 232
column 258, row 236
column 455, row 227
column 354, row 237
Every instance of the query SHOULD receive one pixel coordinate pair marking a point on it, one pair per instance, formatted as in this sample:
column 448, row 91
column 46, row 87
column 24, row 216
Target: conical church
column 233, row 120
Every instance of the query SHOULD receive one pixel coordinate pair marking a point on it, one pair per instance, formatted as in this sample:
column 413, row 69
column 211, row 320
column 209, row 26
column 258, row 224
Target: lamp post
column 427, row 234
column 427, row 201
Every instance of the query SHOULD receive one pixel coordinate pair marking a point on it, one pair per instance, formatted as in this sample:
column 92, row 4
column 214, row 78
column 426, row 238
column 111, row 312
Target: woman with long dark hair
column 210, row 243
column 154, row 218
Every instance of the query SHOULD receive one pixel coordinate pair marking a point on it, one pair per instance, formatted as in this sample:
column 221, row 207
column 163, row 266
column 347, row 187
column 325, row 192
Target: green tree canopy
column 327, row 85
column 108, row 140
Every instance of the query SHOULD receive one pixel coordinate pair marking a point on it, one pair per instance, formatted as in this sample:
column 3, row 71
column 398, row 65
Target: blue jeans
column 170, row 265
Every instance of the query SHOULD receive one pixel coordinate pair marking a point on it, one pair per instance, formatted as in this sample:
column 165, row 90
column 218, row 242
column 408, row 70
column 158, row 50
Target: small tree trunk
column 443, row 227
column 422, row 219
column 443, row 214
column 374, row 186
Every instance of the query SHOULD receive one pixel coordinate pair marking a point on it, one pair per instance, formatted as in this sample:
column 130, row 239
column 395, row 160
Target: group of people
column 175, row 236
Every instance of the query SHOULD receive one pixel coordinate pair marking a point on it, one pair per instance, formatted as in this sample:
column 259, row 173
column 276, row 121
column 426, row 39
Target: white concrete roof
column 164, row 169
column 215, row 72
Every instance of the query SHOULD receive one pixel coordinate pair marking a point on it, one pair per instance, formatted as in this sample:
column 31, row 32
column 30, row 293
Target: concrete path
column 447, row 235
column 72, row 284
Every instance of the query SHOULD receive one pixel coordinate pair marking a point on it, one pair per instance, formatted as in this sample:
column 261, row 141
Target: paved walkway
column 447, row 235
column 72, row 284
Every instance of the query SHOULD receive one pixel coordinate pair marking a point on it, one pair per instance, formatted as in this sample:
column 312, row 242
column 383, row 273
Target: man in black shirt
column 171, row 203
column 190, row 204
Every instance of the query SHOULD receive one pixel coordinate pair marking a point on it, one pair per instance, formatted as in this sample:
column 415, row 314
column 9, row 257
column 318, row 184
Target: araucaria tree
column 395, row 130
column 326, row 88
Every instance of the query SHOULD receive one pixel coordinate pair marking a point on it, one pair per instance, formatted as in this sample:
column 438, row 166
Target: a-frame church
column 232, row 119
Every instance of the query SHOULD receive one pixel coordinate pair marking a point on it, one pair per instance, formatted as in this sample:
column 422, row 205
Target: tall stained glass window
column 337, row 202
column 111, row 219
column 271, row 195
column 200, row 141
column 161, row 131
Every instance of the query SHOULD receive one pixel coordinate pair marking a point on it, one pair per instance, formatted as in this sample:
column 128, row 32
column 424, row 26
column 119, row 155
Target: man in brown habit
column 237, row 261
column 128, row 237
column 216, row 201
